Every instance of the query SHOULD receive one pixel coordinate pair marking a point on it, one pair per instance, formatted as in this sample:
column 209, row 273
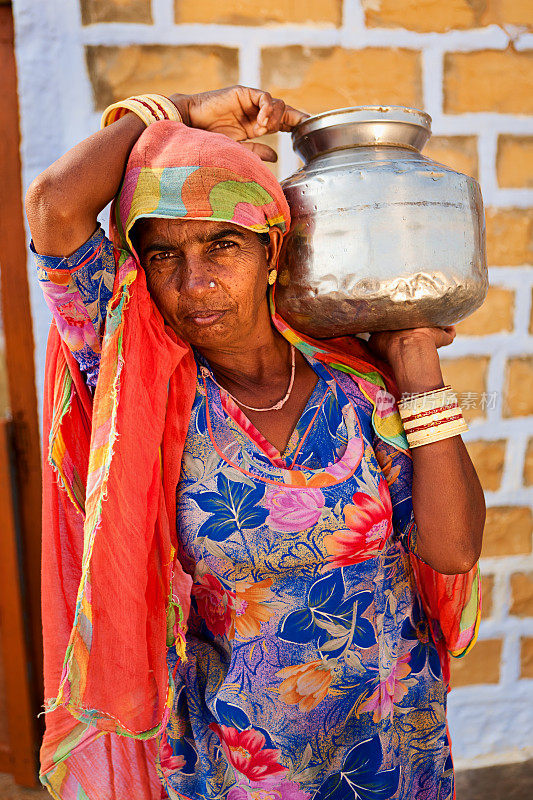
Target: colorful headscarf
column 208, row 177
column 114, row 595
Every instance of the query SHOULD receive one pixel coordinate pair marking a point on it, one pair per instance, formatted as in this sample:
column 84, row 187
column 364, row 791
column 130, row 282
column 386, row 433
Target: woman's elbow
column 464, row 562
column 49, row 218
column 458, row 557
column 41, row 200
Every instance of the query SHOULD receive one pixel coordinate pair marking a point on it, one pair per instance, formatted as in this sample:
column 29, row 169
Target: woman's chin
column 205, row 332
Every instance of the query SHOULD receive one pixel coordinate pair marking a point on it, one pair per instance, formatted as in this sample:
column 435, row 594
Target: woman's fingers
column 274, row 115
column 264, row 152
column 291, row 117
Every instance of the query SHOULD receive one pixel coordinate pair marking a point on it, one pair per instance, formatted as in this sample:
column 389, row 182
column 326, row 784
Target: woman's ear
column 273, row 250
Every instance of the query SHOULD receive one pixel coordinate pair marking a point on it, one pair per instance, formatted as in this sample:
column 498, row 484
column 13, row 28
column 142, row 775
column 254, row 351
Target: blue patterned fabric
column 311, row 670
column 77, row 289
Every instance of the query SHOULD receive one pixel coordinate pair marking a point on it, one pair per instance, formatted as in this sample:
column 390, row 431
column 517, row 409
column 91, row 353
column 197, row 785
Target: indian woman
column 252, row 579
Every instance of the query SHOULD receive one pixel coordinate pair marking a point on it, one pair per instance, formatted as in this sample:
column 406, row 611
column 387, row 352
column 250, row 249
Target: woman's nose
column 196, row 278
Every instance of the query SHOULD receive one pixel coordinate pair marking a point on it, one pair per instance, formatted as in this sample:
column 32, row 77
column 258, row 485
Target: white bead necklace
column 207, row 374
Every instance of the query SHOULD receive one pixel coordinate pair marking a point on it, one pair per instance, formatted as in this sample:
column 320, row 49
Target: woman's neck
column 263, row 361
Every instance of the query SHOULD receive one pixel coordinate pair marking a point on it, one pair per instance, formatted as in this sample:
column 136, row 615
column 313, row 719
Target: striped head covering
column 184, row 173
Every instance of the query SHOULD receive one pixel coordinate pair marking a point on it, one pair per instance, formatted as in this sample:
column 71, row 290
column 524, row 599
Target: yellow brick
column 512, row 12
column 467, row 376
column 115, row 11
column 320, row 79
column 515, row 161
column 518, row 397
column 507, row 531
column 528, row 466
column 421, row 15
column 494, row 316
column 489, row 80
column 435, row 15
column 256, row 12
column 458, row 152
column 488, row 458
column 487, row 588
column 526, row 657
column 509, row 236
column 522, row 594
column 118, row 72
column 481, row 665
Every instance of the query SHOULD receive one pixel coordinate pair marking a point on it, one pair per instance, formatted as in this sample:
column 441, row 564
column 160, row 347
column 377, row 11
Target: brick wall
column 470, row 65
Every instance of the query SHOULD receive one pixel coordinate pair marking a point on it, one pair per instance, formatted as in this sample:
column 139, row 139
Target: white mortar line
column 491, row 37
column 512, row 343
column 500, row 595
column 432, row 82
column 515, row 277
column 524, row 41
column 517, row 497
column 505, row 566
column 508, row 626
column 487, row 693
column 250, row 64
column 510, row 660
column 495, row 385
column 487, row 147
column 522, row 316
column 353, row 31
column 479, row 121
column 114, row 33
column 515, row 456
column 163, row 14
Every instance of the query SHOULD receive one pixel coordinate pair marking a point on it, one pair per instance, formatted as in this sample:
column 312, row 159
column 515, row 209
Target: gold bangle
column 148, row 107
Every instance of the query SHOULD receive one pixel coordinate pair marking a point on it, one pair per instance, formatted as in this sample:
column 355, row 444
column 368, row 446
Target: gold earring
column 272, row 276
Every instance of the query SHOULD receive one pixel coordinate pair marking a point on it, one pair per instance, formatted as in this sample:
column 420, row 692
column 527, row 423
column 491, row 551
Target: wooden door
column 21, row 682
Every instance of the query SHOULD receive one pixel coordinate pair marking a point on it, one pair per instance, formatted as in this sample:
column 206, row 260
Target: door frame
column 21, row 457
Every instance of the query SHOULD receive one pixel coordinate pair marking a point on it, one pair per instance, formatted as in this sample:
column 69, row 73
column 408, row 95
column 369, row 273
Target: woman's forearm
column 448, row 500
column 63, row 203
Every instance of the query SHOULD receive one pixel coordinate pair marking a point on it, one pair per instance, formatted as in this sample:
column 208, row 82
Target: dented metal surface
column 381, row 236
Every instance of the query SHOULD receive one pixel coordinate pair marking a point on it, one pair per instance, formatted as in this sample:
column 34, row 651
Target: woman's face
column 208, row 279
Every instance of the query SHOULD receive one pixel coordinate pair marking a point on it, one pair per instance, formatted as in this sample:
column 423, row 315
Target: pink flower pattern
column 293, row 510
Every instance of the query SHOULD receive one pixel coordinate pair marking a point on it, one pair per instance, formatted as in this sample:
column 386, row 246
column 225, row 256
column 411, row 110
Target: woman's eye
column 162, row 256
column 223, row 245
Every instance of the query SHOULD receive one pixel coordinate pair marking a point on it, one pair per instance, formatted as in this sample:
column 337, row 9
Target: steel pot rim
column 360, row 115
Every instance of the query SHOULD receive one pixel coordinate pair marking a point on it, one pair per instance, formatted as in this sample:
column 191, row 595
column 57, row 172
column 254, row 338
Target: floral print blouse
column 311, row 671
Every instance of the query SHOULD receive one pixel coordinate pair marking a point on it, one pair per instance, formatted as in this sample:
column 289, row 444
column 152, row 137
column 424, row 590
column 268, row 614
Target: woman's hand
column 412, row 355
column 389, row 344
column 240, row 113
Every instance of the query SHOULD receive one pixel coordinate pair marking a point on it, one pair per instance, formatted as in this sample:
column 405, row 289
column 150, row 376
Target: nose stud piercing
column 212, row 284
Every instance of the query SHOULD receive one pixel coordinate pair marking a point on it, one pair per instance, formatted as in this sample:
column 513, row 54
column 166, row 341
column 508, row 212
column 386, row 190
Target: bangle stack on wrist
column 431, row 416
column 148, row 107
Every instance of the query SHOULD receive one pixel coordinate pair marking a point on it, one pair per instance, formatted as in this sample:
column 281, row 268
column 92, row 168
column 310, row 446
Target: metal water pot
column 381, row 237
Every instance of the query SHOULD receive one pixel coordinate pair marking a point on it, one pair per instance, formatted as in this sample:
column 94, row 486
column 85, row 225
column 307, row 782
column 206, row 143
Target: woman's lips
column 205, row 318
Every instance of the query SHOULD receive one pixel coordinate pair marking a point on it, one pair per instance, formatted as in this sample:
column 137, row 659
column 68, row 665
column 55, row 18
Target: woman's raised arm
column 63, row 202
